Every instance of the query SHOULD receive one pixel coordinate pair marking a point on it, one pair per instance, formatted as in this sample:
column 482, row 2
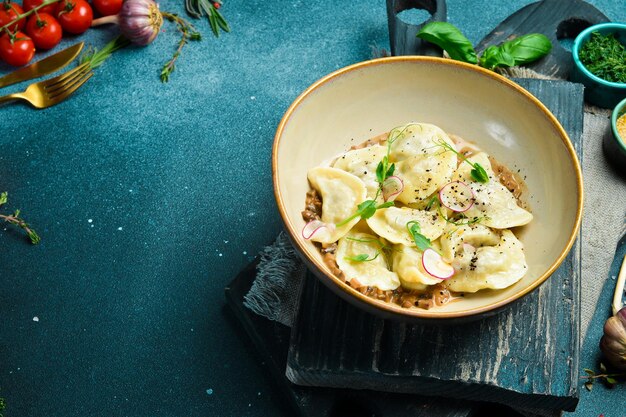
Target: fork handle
column 10, row 97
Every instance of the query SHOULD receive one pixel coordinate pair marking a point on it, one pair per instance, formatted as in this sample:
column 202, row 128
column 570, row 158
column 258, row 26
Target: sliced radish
column 392, row 187
column 317, row 226
column 435, row 265
column 457, row 196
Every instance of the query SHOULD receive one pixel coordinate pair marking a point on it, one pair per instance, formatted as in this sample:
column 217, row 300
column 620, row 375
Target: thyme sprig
column 188, row 33
column 16, row 220
column 210, row 9
column 609, row 379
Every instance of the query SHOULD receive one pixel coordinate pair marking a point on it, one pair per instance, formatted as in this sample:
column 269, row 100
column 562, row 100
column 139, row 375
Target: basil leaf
column 495, row 56
column 450, row 39
column 479, row 173
column 528, row 48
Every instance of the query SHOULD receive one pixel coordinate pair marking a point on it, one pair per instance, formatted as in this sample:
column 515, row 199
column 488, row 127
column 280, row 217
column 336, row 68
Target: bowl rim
column 619, row 110
column 389, row 308
column 578, row 44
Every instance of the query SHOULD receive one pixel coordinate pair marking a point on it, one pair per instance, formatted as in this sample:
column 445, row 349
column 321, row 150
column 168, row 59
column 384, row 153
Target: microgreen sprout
column 361, row 257
column 415, row 230
column 366, row 210
column 478, row 172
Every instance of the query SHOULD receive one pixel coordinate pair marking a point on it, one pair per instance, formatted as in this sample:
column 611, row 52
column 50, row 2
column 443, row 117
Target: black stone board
column 271, row 340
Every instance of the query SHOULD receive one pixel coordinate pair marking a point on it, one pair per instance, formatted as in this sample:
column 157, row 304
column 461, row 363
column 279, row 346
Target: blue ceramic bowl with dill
column 600, row 63
column 615, row 144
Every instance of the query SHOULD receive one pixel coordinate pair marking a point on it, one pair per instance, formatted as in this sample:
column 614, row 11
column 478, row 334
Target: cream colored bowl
column 370, row 98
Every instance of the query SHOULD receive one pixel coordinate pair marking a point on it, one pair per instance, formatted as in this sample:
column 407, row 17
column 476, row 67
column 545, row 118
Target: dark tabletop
column 150, row 197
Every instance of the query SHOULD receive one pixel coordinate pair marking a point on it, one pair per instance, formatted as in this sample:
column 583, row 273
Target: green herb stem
column 16, row 220
column 188, row 33
column 95, row 57
column 478, row 173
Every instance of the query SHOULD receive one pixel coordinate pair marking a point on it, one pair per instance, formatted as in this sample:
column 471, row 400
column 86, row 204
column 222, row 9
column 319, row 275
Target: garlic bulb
column 140, row 21
column 613, row 343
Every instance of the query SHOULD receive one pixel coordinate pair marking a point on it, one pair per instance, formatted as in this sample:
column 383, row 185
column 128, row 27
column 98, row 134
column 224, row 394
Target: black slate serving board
column 271, row 340
column 526, row 356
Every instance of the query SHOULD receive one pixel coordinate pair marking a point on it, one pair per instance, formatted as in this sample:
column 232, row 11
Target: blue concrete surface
column 150, row 197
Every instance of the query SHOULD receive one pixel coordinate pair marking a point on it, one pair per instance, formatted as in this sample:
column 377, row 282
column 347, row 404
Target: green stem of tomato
column 28, row 13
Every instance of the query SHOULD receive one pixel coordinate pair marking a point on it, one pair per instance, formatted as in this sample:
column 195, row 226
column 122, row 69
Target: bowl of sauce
column 615, row 144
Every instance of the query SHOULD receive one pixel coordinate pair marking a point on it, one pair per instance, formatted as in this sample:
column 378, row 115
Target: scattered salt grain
column 35, row 318
column 119, row 228
column 209, row 391
column 89, row 220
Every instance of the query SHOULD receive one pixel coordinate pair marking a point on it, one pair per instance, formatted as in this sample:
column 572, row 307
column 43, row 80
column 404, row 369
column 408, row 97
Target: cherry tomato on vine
column 44, row 30
column 31, row 4
column 107, row 7
column 75, row 16
column 8, row 12
column 17, row 49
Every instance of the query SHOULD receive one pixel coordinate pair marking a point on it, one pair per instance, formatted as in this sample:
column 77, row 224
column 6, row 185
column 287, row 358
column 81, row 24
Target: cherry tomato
column 8, row 12
column 16, row 50
column 108, row 7
column 75, row 16
column 31, row 4
column 44, row 30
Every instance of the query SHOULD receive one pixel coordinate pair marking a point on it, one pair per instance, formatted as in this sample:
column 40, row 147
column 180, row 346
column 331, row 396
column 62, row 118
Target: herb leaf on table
column 16, row 220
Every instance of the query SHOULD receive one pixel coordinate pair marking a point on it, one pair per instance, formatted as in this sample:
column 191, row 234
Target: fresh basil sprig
column 519, row 51
column 449, row 38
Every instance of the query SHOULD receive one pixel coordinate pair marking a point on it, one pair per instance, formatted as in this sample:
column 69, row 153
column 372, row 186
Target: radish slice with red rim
column 392, row 187
column 435, row 265
column 316, row 226
column 457, row 196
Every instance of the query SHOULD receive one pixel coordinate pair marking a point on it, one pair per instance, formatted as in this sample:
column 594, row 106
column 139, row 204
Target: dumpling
column 416, row 139
column 492, row 199
column 407, row 263
column 341, row 194
column 362, row 163
column 390, row 223
column 490, row 266
column 371, row 272
column 475, row 235
column 423, row 166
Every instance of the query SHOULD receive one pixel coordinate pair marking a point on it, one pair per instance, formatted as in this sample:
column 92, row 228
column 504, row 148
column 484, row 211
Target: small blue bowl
column 615, row 145
column 599, row 92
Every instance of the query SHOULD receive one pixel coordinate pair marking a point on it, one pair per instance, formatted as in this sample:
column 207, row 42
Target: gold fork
column 49, row 92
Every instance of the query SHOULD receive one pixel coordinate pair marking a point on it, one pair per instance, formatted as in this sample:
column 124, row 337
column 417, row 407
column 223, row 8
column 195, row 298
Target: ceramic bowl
column 598, row 91
column 614, row 144
column 370, row 98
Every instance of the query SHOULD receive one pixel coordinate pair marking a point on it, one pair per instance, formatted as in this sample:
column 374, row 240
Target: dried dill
column 605, row 57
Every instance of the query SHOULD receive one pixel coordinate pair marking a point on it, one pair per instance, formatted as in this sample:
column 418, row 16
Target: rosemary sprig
column 96, row 57
column 16, row 220
column 188, row 33
column 199, row 8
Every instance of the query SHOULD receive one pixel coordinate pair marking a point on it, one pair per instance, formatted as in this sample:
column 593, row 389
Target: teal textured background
column 150, row 197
